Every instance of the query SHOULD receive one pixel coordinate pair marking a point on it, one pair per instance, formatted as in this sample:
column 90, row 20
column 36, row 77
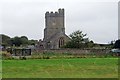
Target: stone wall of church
column 54, row 23
column 54, row 30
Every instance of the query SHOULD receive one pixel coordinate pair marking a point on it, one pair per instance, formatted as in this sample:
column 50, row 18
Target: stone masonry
column 54, row 32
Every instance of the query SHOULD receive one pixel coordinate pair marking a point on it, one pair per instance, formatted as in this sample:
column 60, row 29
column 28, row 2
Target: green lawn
column 61, row 68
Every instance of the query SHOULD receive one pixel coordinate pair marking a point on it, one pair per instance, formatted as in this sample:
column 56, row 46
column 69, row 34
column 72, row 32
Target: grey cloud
column 26, row 17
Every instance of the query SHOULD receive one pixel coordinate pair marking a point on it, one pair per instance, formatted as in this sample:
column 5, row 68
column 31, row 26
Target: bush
column 46, row 57
column 6, row 55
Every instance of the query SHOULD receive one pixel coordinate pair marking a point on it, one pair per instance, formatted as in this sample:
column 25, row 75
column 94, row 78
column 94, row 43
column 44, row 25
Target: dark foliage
column 15, row 41
column 79, row 40
column 117, row 44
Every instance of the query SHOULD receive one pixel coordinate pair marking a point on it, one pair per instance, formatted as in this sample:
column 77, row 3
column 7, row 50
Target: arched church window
column 61, row 42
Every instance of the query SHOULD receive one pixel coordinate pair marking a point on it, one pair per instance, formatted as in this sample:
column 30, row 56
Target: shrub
column 22, row 58
column 6, row 55
column 46, row 57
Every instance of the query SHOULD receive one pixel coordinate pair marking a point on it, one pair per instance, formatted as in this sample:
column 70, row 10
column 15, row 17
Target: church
column 54, row 32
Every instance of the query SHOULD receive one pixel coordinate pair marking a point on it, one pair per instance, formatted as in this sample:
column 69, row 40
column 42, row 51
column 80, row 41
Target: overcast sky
column 97, row 18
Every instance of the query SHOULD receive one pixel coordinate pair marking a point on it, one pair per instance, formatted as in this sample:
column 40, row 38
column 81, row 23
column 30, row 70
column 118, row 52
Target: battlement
column 58, row 13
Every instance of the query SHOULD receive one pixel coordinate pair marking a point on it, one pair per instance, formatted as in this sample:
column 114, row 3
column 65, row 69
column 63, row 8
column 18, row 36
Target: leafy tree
column 32, row 42
column 24, row 37
column 24, row 40
column 89, row 44
column 16, row 41
column 4, row 40
column 78, row 40
column 117, row 44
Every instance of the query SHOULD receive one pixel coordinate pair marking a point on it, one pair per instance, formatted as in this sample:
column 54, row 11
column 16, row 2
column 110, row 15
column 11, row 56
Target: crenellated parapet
column 58, row 13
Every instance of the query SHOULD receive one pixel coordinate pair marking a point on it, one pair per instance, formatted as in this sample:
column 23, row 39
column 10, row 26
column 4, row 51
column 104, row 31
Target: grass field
column 61, row 68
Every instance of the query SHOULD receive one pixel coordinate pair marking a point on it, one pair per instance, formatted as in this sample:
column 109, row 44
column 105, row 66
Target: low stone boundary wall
column 78, row 51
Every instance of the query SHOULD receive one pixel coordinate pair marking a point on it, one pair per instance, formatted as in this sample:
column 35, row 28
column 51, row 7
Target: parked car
column 115, row 50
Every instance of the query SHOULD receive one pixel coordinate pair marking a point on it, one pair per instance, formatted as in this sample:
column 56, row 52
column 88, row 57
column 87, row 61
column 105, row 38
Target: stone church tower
column 54, row 32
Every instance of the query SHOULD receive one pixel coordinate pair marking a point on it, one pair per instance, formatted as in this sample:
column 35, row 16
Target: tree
column 32, row 42
column 78, row 40
column 16, row 41
column 90, row 44
column 117, row 44
column 4, row 40
column 24, row 40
